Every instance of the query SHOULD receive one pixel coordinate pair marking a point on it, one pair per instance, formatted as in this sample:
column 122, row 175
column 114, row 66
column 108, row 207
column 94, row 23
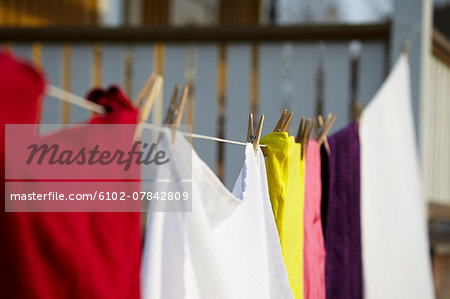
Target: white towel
column 396, row 259
column 227, row 247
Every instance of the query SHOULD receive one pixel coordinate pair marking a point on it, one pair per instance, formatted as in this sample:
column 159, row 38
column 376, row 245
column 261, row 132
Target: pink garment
column 314, row 249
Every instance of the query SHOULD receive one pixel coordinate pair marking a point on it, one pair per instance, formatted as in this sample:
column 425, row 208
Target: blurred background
column 239, row 56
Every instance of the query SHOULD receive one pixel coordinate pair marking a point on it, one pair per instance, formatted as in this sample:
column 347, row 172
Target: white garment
column 227, row 247
column 396, row 259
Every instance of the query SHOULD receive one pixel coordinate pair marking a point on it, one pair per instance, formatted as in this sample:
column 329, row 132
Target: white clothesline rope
column 216, row 139
column 194, row 135
column 71, row 98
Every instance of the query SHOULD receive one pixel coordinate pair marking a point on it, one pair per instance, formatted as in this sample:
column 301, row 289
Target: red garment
column 64, row 255
column 313, row 248
column 119, row 108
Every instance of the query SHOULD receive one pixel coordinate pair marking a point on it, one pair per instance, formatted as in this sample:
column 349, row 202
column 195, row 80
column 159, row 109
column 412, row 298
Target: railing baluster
column 128, row 71
column 159, row 53
column 97, row 65
column 190, row 81
column 36, row 53
column 254, row 79
column 66, row 81
column 221, row 94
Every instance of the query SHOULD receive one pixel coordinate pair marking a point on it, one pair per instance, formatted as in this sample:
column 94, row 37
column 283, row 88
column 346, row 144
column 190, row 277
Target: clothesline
column 73, row 99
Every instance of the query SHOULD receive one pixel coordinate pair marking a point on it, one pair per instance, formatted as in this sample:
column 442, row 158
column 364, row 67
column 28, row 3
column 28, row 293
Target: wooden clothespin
column 320, row 121
column 175, row 111
column 179, row 111
column 250, row 130
column 304, row 140
column 308, row 135
column 357, row 109
column 145, row 99
column 329, row 116
column 253, row 136
column 319, row 130
column 283, row 123
column 299, row 137
column 280, row 121
column 286, row 123
column 258, row 134
column 171, row 112
column 143, row 102
column 313, row 126
column 323, row 131
column 302, row 134
column 300, row 130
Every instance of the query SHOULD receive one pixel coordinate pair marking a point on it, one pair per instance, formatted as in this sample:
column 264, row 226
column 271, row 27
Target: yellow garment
column 285, row 176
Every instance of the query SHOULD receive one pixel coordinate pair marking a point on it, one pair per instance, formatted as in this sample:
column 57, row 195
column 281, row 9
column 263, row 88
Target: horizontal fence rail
column 231, row 72
column 441, row 47
column 198, row 34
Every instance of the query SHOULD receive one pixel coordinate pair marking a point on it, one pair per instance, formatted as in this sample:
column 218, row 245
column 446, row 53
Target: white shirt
column 227, row 247
column 396, row 259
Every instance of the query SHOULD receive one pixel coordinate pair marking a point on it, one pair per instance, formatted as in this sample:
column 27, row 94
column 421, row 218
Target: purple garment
column 341, row 215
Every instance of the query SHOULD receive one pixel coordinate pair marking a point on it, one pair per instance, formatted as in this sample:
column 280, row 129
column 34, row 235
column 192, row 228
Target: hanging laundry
column 19, row 106
column 227, row 247
column 252, row 230
column 285, row 175
column 343, row 266
column 314, row 248
column 394, row 232
column 119, row 109
column 64, row 255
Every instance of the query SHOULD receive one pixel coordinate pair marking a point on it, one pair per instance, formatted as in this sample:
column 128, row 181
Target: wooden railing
column 435, row 125
column 234, row 70
column 441, row 47
column 370, row 32
column 48, row 13
column 435, row 151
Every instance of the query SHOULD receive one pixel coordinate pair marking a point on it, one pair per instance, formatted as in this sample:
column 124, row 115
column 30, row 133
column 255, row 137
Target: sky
column 364, row 10
column 353, row 11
